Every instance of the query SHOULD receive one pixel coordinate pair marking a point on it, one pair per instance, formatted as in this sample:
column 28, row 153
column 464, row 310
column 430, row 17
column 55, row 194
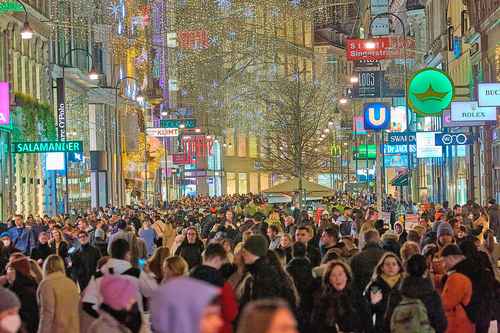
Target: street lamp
column 354, row 79
column 26, row 33
column 343, row 100
column 62, row 135
column 139, row 99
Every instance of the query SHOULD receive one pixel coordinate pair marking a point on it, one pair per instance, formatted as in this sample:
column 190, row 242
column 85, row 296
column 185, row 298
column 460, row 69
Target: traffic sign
column 453, row 139
column 377, row 116
column 176, row 123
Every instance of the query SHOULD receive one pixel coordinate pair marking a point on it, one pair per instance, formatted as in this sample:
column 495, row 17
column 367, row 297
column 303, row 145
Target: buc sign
column 488, row 94
column 377, row 116
column 430, row 91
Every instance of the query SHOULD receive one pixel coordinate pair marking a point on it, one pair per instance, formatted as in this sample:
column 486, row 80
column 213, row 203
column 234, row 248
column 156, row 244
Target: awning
column 400, row 180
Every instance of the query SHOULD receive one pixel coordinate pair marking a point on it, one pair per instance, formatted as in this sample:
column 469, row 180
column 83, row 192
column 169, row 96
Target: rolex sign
column 471, row 111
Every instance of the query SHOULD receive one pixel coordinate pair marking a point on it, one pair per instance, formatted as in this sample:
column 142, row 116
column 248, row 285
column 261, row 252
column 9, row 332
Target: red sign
column 193, row 147
column 195, row 39
column 380, row 48
column 367, row 49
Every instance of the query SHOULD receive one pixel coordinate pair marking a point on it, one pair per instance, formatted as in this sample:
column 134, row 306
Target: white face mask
column 11, row 323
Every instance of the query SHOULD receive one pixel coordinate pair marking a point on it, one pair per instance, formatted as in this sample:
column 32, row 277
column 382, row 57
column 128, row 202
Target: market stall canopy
column 292, row 185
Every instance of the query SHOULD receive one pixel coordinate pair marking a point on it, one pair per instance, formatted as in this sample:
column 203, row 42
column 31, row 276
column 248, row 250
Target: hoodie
column 178, row 305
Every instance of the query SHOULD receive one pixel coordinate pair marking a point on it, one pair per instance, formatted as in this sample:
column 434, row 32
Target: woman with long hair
column 191, row 248
column 340, row 308
column 156, row 261
column 267, row 316
column 173, row 267
column 383, row 289
column 58, row 245
column 58, row 299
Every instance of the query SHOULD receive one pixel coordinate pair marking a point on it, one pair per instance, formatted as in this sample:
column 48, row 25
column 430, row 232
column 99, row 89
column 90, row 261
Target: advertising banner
column 402, row 138
column 447, row 122
column 61, row 110
column 358, row 125
column 4, row 103
column 488, row 94
column 454, row 139
column 471, row 111
column 426, row 145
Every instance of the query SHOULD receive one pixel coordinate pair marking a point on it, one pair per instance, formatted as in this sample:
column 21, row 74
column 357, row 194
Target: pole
column 379, row 170
column 165, row 152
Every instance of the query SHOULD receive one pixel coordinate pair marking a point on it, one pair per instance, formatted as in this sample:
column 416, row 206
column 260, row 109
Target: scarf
column 391, row 280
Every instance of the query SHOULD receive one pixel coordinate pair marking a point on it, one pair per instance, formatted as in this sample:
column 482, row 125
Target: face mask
column 11, row 323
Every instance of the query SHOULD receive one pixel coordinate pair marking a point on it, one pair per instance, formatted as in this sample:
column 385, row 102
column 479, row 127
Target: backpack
column 410, row 316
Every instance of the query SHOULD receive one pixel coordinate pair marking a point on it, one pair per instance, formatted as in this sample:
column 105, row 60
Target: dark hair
column 274, row 228
column 332, row 232
column 214, row 250
column 119, row 248
column 413, row 236
column 416, row 265
column 298, row 250
column 371, row 235
column 304, row 228
column 257, row 315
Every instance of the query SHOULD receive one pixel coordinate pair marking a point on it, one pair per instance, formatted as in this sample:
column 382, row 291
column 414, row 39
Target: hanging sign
column 430, row 91
column 11, row 7
column 47, row 147
column 176, row 123
column 377, row 116
column 453, row 139
column 488, row 94
column 162, row 132
column 61, row 110
column 470, row 111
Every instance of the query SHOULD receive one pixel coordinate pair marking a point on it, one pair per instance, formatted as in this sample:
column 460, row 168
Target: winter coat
column 422, row 289
column 84, row 264
column 390, row 297
column 313, row 254
column 25, row 289
column 59, row 302
column 106, row 323
column 190, row 252
column 62, row 251
column 457, row 292
column 266, row 282
column 346, row 310
column 300, row 269
column 363, row 263
column 42, row 251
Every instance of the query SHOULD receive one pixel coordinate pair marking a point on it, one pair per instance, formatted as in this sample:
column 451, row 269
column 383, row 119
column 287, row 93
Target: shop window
column 264, row 181
column 252, row 146
column 254, row 182
column 231, row 182
column 242, row 183
column 242, row 145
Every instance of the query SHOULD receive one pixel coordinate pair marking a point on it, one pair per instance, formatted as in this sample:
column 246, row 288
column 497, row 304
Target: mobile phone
column 142, row 263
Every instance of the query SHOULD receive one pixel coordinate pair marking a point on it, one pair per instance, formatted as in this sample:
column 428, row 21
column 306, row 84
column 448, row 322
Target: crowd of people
column 239, row 264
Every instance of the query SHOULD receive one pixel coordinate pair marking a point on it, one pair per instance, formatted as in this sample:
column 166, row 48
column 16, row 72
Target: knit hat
column 117, row 291
column 4, row 235
column 8, row 300
column 20, row 264
column 451, row 250
column 256, row 245
column 444, row 229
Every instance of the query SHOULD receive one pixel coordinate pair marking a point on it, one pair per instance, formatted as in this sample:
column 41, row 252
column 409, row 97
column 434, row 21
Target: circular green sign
column 430, row 91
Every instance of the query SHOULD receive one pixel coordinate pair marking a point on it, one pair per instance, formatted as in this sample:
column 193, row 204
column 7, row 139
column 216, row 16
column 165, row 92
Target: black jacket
column 346, row 309
column 63, row 249
column 84, row 264
column 208, row 274
column 191, row 253
column 313, row 254
column 422, row 289
column 266, row 282
column 42, row 251
column 390, row 297
column 25, row 288
column 300, row 270
column 363, row 263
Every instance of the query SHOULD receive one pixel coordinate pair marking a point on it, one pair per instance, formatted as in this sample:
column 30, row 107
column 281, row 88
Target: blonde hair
column 176, row 264
column 35, row 270
column 53, row 264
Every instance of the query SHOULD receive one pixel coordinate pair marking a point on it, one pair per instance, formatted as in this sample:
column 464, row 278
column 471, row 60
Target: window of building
column 231, row 182
column 264, row 181
column 252, row 146
column 230, row 144
column 254, row 182
column 242, row 145
column 242, row 183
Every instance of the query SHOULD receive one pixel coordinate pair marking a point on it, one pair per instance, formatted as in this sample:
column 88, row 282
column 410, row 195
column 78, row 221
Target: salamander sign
column 48, row 147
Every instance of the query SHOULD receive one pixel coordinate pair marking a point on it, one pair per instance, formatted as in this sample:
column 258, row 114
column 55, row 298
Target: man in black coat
column 84, row 261
column 363, row 263
column 304, row 235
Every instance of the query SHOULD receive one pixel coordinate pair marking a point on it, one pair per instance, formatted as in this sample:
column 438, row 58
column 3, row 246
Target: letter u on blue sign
column 377, row 116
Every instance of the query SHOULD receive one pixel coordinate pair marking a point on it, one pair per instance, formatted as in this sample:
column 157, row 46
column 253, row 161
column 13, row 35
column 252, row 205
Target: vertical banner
column 61, row 110
column 4, row 103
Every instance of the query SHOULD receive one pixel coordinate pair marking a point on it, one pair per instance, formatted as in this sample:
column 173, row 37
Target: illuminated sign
column 447, row 122
column 402, row 138
column 430, row 91
column 426, row 145
column 398, row 119
column 47, row 147
column 162, row 132
column 396, row 161
column 377, row 116
column 365, row 152
column 488, row 94
column 4, row 103
column 11, row 6
column 471, row 111
column 358, row 125
column 399, row 149
column 357, row 49
column 453, row 139
column 176, row 123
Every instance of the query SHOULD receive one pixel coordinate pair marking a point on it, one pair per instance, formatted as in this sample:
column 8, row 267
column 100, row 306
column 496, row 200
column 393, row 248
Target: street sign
column 4, row 103
column 430, row 91
column 402, row 138
column 453, row 139
column 488, row 94
column 471, row 111
column 357, row 49
column 377, row 116
column 47, row 147
column 11, row 6
column 175, row 123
